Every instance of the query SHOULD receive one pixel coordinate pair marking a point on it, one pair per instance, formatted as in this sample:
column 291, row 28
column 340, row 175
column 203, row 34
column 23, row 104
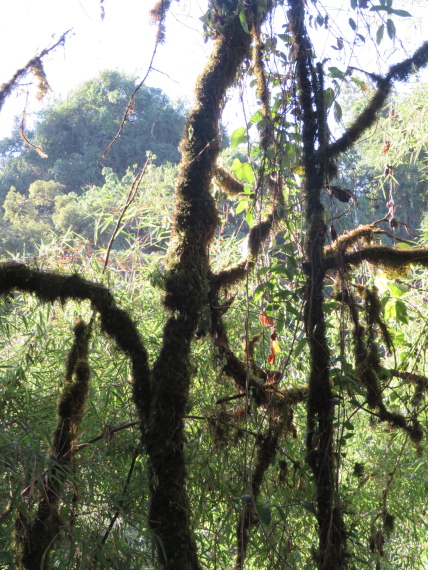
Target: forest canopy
column 75, row 132
column 222, row 363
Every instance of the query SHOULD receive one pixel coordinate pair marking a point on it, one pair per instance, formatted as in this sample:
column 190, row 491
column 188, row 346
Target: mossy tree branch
column 318, row 155
column 382, row 256
column 50, row 287
column 398, row 72
column 320, row 406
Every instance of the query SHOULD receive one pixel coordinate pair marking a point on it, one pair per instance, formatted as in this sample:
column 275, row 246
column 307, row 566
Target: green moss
column 228, row 183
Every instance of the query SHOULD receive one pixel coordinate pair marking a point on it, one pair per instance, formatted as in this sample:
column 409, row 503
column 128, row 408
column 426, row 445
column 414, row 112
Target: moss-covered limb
column 383, row 256
column 231, row 365
column 368, row 365
column 79, row 349
column 320, row 406
column 263, row 92
column 348, row 239
column 228, row 183
column 34, row 539
column 303, row 54
column 35, row 65
column 50, row 287
column 235, row 273
column 398, row 72
column 420, row 382
column 157, row 15
column 187, row 286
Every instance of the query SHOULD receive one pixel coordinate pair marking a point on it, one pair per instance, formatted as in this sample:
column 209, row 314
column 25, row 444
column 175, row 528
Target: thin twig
column 129, row 199
column 130, row 105
column 121, row 502
column 107, row 432
column 120, row 505
column 23, row 136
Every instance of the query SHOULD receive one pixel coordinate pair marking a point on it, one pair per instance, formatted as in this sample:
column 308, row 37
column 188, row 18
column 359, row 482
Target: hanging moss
column 228, row 183
column 35, row 538
column 158, row 14
column 35, row 65
column 367, row 361
column 266, row 452
column 420, row 382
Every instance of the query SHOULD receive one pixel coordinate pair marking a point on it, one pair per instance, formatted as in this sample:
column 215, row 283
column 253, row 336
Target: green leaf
column 281, row 513
column 337, row 112
column 242, row 204
column 396, row 290
column 257, row 117
column 404, row 246
column 380, row 8
column 382, row 282
column 238, row 137
column 390, row 28
column 258, row 293
column 379, row 33
column 243, row 171
column 402, row 13
column 243, row 20
column 328, row 97
column 308, row 506
column 249, row 218
column 401, row 311
column 352, row 24
column 300, row 346
column 264, row 513
column 335, row 72
column 390, row 309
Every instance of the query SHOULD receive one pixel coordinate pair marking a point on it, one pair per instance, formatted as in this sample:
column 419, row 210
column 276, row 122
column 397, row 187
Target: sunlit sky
column 125, row 40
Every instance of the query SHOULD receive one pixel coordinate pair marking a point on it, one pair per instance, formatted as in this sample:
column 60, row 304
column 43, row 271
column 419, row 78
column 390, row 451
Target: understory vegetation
column 223, row 363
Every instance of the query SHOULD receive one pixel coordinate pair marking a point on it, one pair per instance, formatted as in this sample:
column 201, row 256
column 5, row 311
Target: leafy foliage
column 75, row 132
column 279, row 382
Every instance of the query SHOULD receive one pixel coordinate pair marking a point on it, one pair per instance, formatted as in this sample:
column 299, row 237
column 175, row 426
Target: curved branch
column 399, row 72
column 50, row 287
column 378, row 255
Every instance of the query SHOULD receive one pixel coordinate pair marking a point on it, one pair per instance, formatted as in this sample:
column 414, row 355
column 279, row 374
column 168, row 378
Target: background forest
column 213, row 349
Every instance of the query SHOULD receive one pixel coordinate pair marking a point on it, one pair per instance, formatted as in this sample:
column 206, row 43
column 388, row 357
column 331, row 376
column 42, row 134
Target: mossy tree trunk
column 320, row 406
column 187, row 287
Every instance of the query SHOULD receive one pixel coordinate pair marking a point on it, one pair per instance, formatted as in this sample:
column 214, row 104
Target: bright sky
column 124, row 40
